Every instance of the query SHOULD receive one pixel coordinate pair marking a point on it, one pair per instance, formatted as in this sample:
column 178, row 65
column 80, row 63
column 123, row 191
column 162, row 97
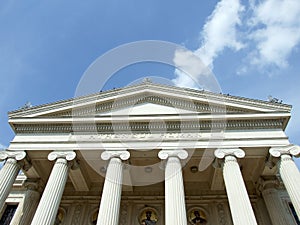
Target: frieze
column 135, row 137
column 146, row 127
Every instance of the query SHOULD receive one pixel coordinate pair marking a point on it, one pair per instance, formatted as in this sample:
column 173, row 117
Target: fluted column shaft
column 275, row 207
column 174, row 188
column 49, row 203
column 239, row 202
column 27, row 208
column 9, row 173
column 289, row 172
column 111, row 194
column 291, row 179
column 31, row 201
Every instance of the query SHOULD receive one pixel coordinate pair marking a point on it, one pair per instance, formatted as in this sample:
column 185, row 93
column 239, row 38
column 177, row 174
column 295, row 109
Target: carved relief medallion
column 148, row 216
column 197, row 216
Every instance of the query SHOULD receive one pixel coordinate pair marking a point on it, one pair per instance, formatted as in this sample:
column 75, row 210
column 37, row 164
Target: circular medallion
column 197, row 216
column 148, row 216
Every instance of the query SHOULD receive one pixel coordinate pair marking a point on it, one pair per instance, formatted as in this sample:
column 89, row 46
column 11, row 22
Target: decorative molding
column 152, row 89
column 20, row 155
column 223, row 152
column 293, row 150
column 124, row 155
column 77, row 215
column 68, row 155
column 146, row 127
column 181, row 154
column 124, row 214
column 134, row 136
column 197, row 107
column 265, row 184
column 221, row 214
column 34, row 185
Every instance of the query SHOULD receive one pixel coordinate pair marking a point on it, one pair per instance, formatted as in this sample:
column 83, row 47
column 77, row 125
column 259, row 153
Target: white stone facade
column 152, row 153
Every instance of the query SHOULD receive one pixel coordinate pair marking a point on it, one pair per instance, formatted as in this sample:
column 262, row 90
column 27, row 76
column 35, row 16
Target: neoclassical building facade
column 151, row 154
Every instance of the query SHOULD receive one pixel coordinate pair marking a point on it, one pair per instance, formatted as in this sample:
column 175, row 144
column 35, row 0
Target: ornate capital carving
column 34, row 185
column 223, row 152
column 293, row 150
column 181, row 154
column 106, row 155
column 68, row 155
column 20, row 155
column 264, row 184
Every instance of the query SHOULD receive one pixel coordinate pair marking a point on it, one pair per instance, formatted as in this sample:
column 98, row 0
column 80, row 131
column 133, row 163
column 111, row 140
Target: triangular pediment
column 146, row 109
column 151, row 99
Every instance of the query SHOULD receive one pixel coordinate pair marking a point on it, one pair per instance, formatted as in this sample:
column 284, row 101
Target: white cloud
column 192, row 73
column 275, row 31
column 183, row 79
column 189, row 69
column 219, row 32
column 269, row 35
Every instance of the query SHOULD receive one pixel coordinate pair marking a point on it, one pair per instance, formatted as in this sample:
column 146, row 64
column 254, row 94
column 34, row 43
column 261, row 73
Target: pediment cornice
column 199, row 101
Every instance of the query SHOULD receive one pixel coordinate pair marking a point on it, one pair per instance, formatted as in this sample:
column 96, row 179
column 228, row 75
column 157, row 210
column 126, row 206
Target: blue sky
column 46, row 46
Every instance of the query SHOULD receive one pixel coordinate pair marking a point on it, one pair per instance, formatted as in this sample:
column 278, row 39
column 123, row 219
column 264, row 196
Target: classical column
column 111, row 194
column 174, row 188
column 49, row 203
column 274, row 205
column 289, row 172
column 239, row 202
column 26, row 209
column 9, row 172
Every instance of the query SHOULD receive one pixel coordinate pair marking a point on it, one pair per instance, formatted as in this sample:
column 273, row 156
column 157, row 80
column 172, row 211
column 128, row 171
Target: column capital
column 221, row 153
column 34, row 185
column 293, row 150
column 68, row 155
column 265, row 184
column 107, row 155
column 181, row 154
column 17, row 155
